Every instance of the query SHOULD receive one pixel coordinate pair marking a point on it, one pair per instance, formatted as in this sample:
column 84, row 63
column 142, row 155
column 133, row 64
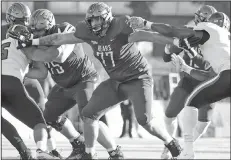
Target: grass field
column 206, row 148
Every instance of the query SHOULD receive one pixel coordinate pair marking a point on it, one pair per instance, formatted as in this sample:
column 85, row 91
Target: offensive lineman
column 75, row 78
column 128, row 70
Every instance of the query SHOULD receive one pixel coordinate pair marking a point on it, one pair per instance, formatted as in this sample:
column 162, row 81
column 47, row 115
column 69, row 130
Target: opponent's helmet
column 102, row 12
column 19, row 32
column 42, row 19
column 220, row 19
column 203, row 13
column 18, row 13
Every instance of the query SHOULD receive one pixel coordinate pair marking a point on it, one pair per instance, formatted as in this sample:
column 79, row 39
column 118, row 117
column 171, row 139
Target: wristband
column 166, row 50
column 176, row 42
column 187, row 69
column 35, row 42
column 147, row 24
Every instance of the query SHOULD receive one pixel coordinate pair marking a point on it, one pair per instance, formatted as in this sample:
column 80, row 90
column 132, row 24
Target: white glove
column 178, row 62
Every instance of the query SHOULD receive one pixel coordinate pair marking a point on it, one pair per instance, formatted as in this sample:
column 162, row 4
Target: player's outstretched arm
column 37, row 71
column 57, row 39
column 165, row 29
column 150, row 37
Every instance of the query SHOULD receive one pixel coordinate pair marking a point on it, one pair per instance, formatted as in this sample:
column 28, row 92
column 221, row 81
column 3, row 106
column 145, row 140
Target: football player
column 214, row 40
column 187, row 83
column 130, row 75
column 75, row 77
column 19, row 13
column 8, row 130
column 15, row 98
column 185, row 86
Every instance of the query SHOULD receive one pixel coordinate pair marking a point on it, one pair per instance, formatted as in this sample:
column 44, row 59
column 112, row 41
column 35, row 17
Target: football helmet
column 100, row 12
column 220, row 19
column 19, row 32
column 42, row 19
column 203, row 13
column 18, row 13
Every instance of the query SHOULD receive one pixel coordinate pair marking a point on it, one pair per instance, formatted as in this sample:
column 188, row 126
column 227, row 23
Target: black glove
column 23, row 41
column 24, row 44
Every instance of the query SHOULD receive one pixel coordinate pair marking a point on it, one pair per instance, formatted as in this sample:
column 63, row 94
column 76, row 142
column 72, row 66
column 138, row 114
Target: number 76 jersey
column 14, row 61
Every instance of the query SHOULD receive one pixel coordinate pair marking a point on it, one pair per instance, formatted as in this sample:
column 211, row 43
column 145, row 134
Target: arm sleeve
column 82, row 30
column 172, row 49
column 167, row 57
column 126, row 29
column 200, row 37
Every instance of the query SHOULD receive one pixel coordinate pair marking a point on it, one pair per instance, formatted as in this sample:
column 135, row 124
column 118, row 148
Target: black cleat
column 27, row 155
column 56, row 154
column 116, row 154
column 78, row 150
column 42, row 155
column 174, row 148
column 89, row 156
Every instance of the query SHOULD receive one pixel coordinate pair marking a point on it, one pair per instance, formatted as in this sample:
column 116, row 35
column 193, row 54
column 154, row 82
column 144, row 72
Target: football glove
column 136, row 22
column 178, row 62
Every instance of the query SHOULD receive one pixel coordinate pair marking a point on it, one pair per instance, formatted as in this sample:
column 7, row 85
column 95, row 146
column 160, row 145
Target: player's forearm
column 40, row 89
column 53, row 39
column 45, row 55
column 57, row 39
column 149, row 36
column 168, row 30
column 35, row 73
column 199, row 75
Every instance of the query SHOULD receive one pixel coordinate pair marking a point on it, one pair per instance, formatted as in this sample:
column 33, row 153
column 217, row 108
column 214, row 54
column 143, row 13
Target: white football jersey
column 14, row 61
column 216, row 50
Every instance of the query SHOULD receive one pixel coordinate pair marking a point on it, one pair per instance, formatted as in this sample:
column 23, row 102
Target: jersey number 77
column 103, row 55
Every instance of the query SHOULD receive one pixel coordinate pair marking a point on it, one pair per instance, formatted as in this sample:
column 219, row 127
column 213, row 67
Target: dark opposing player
column 75, row 78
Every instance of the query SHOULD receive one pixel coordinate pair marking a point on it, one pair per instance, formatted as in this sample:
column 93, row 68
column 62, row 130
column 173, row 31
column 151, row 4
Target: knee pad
column 58, row 124
column 87, row 117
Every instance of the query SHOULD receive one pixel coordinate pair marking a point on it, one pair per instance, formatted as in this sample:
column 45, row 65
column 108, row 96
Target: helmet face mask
column 19, row 32
column 204, row 13
column 41, row 21
column 220, row 19
column 18, row 13
column 98, row 18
